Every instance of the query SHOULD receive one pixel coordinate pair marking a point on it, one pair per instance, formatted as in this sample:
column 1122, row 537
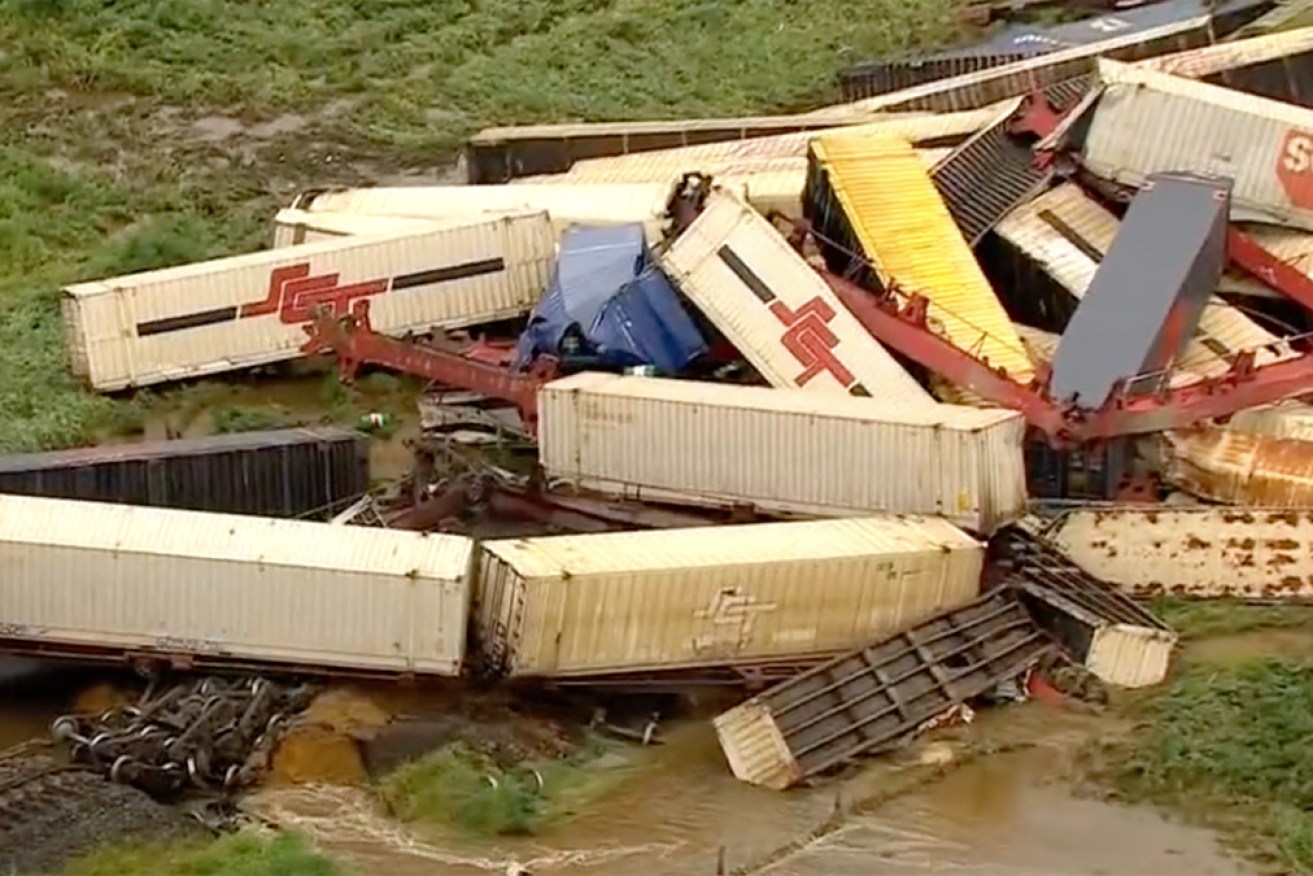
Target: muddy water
column 675, row 809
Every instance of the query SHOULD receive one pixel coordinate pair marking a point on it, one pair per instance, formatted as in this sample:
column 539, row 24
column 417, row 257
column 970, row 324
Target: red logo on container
column 295, row 295
column 1295, row 168
column 810, row 340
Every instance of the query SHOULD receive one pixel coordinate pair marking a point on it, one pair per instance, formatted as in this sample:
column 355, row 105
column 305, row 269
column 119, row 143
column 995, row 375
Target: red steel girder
column 353, row 340
column 905, row 330
column 1250, row 255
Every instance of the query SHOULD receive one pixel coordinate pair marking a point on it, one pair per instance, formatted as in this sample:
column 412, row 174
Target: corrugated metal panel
column 906, row 232
column 285, row 473
column 1148, row 122
column 1040, row 345
column 1250, row 553
column 1130, row 656
column 225, row 314
column 1146, row 298
column 972, row 90
column 986, row 177
column 496, row 155
column 1284, row 420
column 292, row 227
column 1240, row 469
column 1208, row 60
column 703, row 444
column 583, row 204
column 740, row 272
column 1066, row 234
column 883, row 77
column 86, row 575
column 608, row 603
column 876, row 698
column 219, row 315
column 1286, row 15
column 947, row 129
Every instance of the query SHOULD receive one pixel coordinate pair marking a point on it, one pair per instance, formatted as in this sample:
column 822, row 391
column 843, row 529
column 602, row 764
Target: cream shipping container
column 299, row 226
column 681, row 599
column 90, row 577
column 1147, row 122
column 246, row 310
column 582, row 204
column 769, row 303
column 782, row 451
column 1247, row 553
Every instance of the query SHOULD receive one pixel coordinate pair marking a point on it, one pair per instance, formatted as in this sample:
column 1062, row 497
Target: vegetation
column 145, row 134
column 239, row 854
column 457, row 785
column 1232, row 747
column 1210, row 618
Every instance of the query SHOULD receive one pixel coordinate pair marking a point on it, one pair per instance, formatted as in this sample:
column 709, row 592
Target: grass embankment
column 241, row 854
column 458, row 786
column 1229, row 743
column 109, row 164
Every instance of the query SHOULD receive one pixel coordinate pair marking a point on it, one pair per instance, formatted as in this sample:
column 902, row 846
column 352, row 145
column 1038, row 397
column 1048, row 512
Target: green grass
column 240, row 854
column 459, row 786
column 1209, row 618
column 103, row 171
column 1233, row 748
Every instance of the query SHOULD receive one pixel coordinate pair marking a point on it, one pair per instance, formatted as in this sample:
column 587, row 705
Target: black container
column 308, row 473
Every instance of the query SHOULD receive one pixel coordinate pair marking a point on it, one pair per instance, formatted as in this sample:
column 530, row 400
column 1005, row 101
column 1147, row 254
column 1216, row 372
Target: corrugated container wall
column 292, row 227
column 782, row 451
column 583, row 204
column 584, row 605
column 1247, row 553
column 1148, row 122
column 231, row 313
column 742, row 274
column 311, row 472
column 894, row 217
column 225, row 589
column 1240, row 469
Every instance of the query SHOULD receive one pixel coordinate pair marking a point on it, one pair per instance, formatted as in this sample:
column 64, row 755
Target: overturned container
column 587, row 606
column 293, row 227
column 237, row 312
column 782, row 451
column 88, row 579
column 769, row 303
column 880, row 695
column 307, row 472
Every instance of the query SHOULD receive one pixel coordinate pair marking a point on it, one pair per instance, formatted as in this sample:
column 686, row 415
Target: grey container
column 1150, row 289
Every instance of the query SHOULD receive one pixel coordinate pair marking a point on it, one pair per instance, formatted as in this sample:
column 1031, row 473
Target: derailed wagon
column 90, row 579
column 247, row 310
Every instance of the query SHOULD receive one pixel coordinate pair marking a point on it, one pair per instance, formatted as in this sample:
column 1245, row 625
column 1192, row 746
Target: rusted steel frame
column 1249, row 255
column 353, row 340
column 904, row 329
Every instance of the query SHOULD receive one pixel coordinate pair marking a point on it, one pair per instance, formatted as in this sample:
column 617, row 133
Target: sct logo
column 294, row 294
column 1295, row 168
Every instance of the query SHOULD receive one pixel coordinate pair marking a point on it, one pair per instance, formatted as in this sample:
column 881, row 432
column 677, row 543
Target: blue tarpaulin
column 625, row 309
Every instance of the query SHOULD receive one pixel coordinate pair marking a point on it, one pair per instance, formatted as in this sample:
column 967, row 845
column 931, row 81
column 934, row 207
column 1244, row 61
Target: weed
column 1233, row 747
column 248, row 419
column 1207, row 618
column 458, row 784
column 239, row 854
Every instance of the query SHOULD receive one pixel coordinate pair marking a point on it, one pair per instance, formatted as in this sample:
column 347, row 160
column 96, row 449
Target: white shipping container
column 292, row 227
column 582, row 204
column 742, row 274
column 229, row 588
column 1148, row 122
column 588, row 605
column 782, row 451
column 1248, row 553
column 231, row 313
